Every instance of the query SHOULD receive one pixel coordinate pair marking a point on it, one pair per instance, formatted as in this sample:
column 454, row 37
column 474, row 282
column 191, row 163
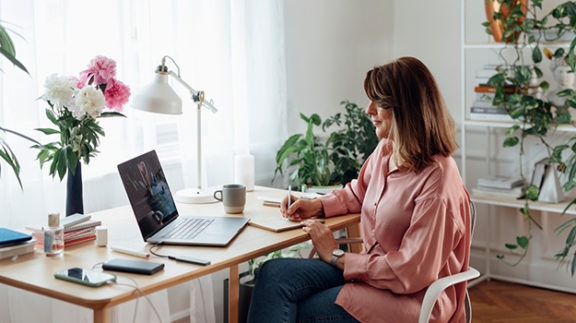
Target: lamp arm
column 196, row 96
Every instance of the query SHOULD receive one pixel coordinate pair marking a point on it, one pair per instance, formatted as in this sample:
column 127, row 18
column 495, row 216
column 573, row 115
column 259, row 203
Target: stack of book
column 15, row 243
column 78, row 228
column 500, row 186
column 482, row 108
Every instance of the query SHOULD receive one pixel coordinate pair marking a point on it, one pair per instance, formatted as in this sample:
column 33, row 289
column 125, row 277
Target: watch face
column 338, row 252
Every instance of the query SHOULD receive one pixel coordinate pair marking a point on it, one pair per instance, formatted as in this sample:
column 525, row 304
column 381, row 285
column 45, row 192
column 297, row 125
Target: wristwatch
column 336, row 253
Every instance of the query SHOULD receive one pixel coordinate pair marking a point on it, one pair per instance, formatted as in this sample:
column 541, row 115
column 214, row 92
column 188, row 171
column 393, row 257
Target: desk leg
column 233, row 294
column 102, row 315
column 353, row 231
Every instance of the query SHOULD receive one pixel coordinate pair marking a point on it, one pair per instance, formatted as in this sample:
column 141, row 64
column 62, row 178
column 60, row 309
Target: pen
column 132, row 252
column 289, row 195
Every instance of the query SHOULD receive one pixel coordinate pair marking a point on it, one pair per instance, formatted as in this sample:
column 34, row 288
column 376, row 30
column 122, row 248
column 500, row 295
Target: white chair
column 437, row 287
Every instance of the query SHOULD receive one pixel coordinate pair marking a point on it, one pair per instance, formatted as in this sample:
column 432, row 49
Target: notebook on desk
column 156, row 213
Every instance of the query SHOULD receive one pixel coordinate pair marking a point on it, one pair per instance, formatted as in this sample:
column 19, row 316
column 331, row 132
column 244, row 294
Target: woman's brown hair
column 422, row 125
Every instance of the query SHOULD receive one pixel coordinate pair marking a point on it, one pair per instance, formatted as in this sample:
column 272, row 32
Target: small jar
column 54, row 236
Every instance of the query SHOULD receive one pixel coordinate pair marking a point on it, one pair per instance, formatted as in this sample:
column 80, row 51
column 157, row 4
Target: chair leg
column 354, row 231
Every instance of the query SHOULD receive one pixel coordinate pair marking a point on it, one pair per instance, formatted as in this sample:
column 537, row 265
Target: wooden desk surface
column 34, row 272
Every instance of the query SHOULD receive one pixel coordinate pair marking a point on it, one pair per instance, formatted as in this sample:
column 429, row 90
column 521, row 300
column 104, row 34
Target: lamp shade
column 158, row 97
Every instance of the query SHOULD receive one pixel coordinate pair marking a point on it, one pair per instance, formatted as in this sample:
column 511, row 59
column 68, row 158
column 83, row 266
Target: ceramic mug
column 233, row 197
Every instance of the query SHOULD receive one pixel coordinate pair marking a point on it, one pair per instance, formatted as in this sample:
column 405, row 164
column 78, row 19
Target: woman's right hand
column 301, row 208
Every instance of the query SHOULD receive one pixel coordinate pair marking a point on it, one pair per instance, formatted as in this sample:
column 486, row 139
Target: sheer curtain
column 233, row 50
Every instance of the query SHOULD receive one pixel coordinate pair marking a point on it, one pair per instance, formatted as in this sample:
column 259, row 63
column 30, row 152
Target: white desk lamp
column 159, row 97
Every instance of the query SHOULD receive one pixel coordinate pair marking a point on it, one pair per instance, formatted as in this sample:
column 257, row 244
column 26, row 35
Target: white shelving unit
column 474, row 54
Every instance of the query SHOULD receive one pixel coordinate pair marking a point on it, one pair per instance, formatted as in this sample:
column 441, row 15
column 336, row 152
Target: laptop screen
column 148, row 192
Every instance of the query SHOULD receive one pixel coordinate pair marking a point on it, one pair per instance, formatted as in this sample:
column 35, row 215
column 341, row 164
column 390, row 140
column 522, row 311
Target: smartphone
column 85, row 276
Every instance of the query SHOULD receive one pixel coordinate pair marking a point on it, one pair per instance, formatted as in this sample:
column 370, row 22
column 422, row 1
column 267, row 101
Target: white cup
column 101, row 236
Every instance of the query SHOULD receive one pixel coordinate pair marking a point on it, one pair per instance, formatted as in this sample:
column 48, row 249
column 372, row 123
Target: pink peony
column 100, row 71
column 116, row 94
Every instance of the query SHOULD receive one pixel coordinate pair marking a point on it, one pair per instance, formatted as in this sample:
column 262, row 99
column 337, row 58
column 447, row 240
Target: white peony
column 89, row 101
column 60, row 90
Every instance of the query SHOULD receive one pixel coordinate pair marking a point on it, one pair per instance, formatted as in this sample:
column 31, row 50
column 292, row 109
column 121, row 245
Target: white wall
column 430, row 31
column 330, row 45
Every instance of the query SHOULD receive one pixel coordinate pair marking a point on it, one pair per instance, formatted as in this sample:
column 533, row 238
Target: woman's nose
column 371, row 108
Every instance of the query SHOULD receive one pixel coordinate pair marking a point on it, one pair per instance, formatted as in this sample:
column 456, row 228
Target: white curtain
column 233, row 50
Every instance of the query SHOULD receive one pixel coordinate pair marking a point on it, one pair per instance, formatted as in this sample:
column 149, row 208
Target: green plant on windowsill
column 314, row 161
column 9, row 52
column 519, row 90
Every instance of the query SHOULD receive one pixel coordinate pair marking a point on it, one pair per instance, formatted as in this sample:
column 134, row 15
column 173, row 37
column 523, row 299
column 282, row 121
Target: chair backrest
column 472, row 219
column 467, row 304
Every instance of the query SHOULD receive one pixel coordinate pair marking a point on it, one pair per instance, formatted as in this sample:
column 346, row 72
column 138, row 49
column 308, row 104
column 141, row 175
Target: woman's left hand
column 322, row 238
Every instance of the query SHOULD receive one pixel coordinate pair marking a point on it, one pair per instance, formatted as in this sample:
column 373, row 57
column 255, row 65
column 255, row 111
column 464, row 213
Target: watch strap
column 334, row 261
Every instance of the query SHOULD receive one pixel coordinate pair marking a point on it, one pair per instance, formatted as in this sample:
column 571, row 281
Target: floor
column 497, row 301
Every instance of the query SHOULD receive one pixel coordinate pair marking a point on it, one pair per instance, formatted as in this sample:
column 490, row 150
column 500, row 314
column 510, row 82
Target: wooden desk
column 34, row 272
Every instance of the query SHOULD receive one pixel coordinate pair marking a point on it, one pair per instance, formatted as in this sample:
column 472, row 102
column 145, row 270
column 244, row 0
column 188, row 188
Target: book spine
column 490, row 110
column 490, row 117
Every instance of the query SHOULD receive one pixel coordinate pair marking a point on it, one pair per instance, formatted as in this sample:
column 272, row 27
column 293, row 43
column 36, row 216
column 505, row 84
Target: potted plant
column 333, row 161
column 520, row 91
column 9, row 52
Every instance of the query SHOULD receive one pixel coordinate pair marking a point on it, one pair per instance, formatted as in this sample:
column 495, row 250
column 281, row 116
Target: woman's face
column 382, row 120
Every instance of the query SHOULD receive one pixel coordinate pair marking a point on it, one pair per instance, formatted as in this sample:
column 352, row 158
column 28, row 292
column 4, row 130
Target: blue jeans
column 297, row 290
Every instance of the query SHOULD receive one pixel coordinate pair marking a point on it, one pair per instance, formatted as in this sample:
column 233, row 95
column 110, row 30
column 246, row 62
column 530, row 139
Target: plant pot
column 74, row 194
column 497, row 25
column 551, row 190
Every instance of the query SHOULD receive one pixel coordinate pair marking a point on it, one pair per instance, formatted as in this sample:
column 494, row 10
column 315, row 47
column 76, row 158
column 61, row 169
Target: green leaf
column 532, row 193
column 573, row 267
column 571, row 236
column 10, row 158
column 511, row 141
column 537, row 55
column 8, row 51
column 48, row 131
column 522, row 241
column 511, row 246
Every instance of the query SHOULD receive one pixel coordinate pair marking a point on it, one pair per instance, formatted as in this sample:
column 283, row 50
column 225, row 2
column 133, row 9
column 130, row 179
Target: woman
column 415, row 215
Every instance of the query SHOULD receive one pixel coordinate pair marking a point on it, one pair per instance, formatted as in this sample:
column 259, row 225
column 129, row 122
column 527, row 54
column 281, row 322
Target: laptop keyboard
column 186, row 228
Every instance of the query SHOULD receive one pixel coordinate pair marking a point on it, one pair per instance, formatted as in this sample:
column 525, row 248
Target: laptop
column 156, row 213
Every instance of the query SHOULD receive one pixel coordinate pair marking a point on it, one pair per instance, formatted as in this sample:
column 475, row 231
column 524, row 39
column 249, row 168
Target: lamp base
column 195, row 196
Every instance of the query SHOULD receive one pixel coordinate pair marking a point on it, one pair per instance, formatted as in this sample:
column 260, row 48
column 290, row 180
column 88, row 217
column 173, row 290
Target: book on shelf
column 501, row 182
column 513, row 193
column 490, row 110
column 483, row 88
column 18, row 249
column 490, row 117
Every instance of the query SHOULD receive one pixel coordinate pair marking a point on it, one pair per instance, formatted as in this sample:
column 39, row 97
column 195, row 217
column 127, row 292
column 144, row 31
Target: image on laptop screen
column 148, row 193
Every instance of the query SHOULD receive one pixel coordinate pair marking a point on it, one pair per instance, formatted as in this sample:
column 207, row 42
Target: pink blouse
column 416, row 229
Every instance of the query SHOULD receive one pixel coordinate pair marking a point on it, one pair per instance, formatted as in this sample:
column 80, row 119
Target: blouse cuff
column 355, row 267
column 332, row 206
